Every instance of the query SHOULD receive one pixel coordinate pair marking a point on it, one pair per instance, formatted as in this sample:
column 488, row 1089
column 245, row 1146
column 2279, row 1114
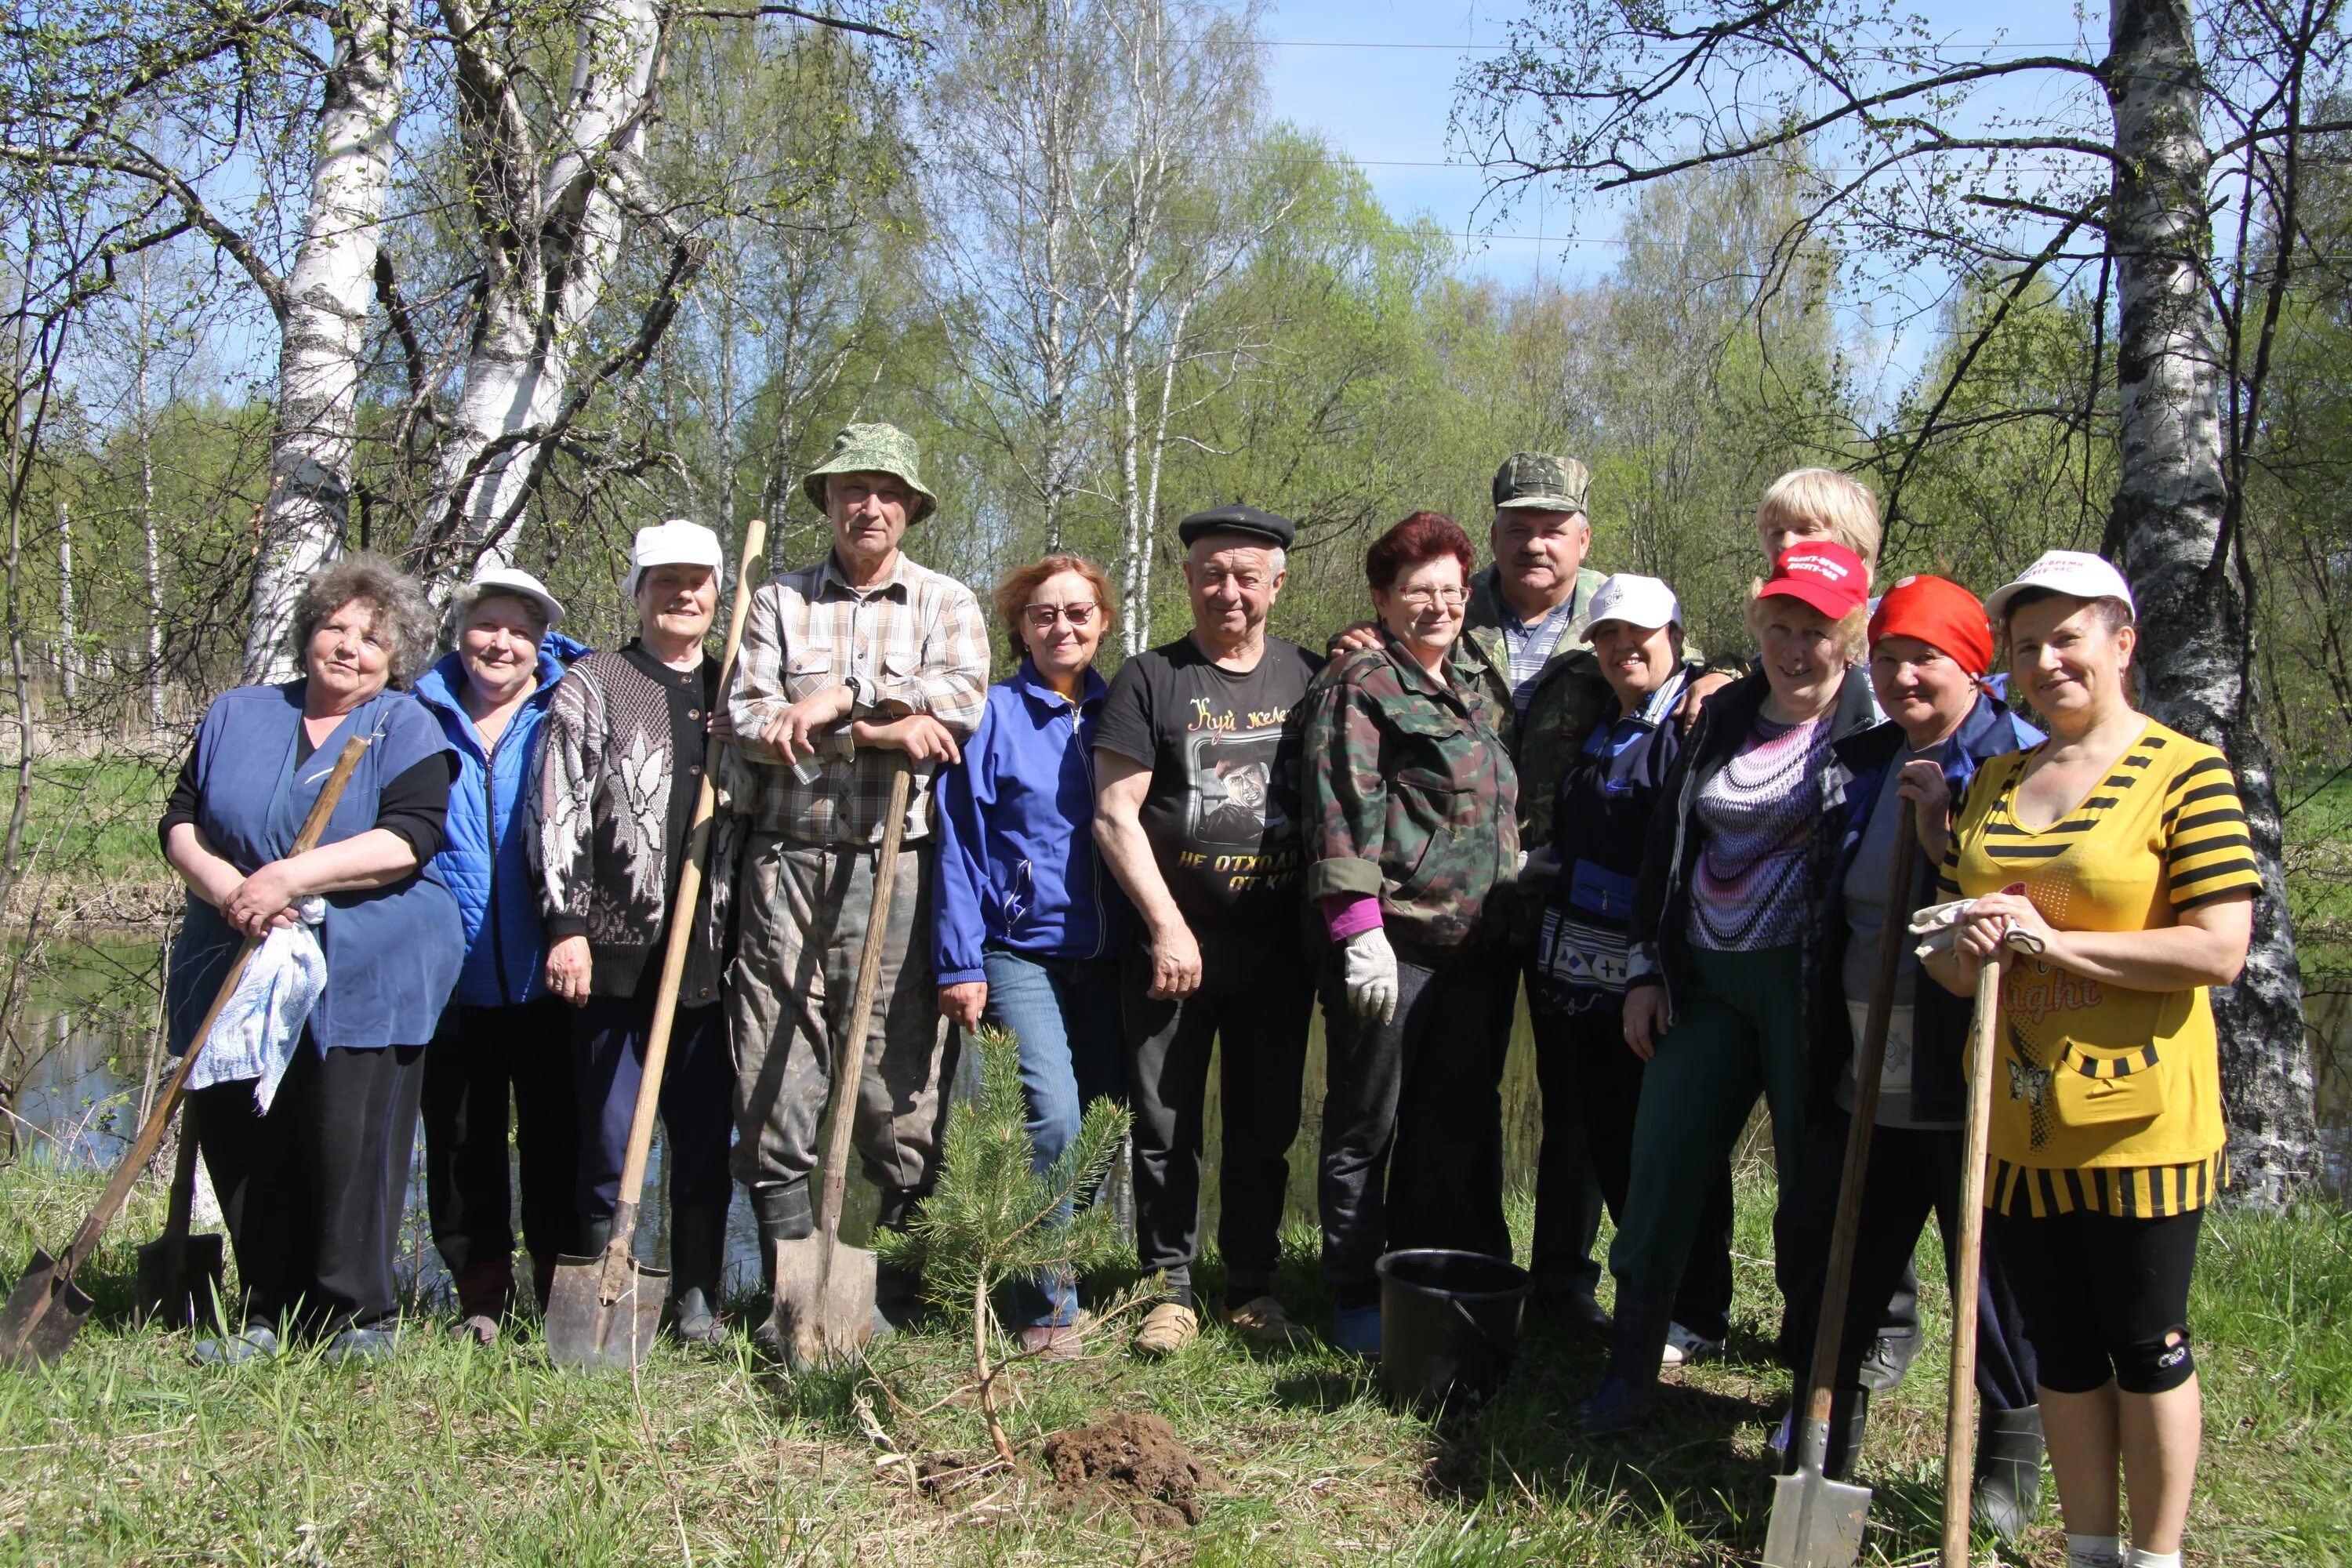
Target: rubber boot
column 781, row 1212
column 542, row 1277
column 2009, row 1471
column 898, row 1291
column 596, row 1236
column 1849, row 1416
column 1630, row 1387
column 697, row 1255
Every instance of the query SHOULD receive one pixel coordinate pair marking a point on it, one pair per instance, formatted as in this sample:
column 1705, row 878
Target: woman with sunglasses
column 1027, row 931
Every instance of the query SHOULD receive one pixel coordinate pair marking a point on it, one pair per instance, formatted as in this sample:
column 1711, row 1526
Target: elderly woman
column 1411, row 808
column 623, row 754
column 2115, row 854
column 1714, row 978
column 1029, row 920
column 1929, row 651
column 1601, row 820
column 502, row 1035
column 312, row 1180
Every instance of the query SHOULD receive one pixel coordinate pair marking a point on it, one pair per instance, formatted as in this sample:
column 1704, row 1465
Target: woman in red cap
column 1930, row 648
column 1715, row 995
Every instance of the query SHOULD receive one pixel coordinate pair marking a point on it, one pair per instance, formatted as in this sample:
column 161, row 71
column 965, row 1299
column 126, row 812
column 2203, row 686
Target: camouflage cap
column 1542, row 482
column 873, row 449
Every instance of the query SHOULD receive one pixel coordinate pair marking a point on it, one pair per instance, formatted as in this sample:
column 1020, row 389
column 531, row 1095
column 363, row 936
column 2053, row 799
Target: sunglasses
column 1041, row 617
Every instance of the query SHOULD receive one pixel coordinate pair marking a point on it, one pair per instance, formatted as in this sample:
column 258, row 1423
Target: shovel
column 179, row 1280
column 1959, row 1423
column 825, row 1291
column 46, row 1309
column 603, row 1311
column 1818, row 1523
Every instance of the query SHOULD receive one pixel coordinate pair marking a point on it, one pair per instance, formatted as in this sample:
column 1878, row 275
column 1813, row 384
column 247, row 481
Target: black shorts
column 2104, row 1299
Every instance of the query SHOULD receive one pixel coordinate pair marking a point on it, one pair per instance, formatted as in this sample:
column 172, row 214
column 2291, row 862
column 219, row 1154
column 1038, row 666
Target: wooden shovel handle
column 1959, row 1416
column 849, row 1057
column 681, row 938
column 151, row 1136
column 1870, row 1063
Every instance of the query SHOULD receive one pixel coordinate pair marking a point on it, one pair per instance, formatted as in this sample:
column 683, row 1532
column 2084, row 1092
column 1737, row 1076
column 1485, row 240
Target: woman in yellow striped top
column 2120, row 846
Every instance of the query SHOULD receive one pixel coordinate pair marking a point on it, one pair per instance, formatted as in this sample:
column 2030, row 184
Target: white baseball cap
column 1637, row 601
column 676, row 542
column 2077, row 573
column 512, row 579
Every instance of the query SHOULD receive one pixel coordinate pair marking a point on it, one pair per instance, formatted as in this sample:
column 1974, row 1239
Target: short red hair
column 1012, row 594
column 1423, row 536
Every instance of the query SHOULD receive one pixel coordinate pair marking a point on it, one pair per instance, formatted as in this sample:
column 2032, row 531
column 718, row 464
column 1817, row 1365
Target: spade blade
column 43, row 1314
column 1816, row 1523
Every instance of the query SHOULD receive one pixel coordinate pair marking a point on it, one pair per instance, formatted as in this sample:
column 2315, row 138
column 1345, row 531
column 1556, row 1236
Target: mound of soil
column 1135, row 1461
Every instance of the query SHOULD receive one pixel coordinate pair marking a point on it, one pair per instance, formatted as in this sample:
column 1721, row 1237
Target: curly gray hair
column 396, row 599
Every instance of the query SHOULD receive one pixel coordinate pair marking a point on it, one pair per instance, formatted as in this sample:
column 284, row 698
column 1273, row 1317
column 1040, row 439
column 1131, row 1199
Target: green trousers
column 1739, row 1031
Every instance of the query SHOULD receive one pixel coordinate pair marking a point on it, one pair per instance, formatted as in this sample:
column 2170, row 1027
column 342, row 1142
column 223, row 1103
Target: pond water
column 89, row 1027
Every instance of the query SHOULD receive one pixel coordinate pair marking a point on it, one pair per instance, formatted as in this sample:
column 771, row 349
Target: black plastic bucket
column 1449, row 1323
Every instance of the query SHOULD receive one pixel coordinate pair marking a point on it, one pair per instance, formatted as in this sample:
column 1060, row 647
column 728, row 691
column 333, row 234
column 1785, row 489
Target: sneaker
column 1262, row 1321
column 1165, row 1329
column 1785, row 1432
column 254, row 1343
column 1053, row 1341
column 1357, row 1331
column 361, row 1345
column 1684, row 1348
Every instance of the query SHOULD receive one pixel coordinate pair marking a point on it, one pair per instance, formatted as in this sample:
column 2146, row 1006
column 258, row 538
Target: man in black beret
column 1197, row 810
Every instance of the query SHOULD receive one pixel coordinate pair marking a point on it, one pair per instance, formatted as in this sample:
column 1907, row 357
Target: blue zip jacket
column 1017, row 865
column 484, row 855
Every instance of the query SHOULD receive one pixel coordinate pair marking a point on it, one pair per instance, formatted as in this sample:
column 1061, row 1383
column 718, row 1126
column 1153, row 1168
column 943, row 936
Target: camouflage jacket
column 1411, row 794
column 1569, row 697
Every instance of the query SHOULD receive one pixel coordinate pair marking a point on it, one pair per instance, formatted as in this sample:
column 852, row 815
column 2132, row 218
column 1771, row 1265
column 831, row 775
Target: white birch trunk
column 69, row 651
column 521, row 364
column 2196, row 651
column 323, row 312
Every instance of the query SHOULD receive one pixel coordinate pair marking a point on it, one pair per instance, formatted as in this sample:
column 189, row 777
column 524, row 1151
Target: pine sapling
column 994, row 1217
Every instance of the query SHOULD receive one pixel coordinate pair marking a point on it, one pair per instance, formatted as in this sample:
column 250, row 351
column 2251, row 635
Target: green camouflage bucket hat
column 1542, row 482
column 873, row 449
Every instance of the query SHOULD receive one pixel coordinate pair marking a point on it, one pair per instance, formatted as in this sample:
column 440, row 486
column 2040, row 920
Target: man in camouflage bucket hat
column 844, row 662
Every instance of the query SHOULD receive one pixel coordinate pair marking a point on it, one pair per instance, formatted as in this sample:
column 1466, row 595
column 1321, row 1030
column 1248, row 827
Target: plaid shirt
column 914, row 641
column 1531, row 645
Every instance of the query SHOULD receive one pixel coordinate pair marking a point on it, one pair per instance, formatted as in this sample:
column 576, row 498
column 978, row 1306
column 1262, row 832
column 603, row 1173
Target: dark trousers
column 1257, row 992
column 1591, row 1084
column 1913, row 1173
column 1404, row 1122
column 481, row 1060
column 313, row 1190
column 697, row 1089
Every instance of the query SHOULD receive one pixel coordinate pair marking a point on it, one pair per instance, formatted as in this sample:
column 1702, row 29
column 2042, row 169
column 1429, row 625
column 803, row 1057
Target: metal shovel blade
column 184, row 1296
column 585, row 1328
column 1816, row 1523
column 43, row 1314
column 824, row 1317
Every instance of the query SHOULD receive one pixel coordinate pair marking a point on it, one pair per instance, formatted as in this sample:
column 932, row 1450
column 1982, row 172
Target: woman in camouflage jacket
column 1412, row 829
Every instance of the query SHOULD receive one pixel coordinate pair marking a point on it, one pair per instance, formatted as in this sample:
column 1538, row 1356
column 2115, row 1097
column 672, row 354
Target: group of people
column 1520, row 776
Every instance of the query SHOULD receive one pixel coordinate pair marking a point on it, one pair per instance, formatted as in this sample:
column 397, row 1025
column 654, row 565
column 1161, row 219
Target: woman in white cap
column 2114, row 859
column 626, row 744
column 502, row 1035
column 1601, row 821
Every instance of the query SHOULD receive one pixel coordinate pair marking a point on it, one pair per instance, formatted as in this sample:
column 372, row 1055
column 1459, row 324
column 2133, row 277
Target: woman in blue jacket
column 1028, row 919
column 502, row 1033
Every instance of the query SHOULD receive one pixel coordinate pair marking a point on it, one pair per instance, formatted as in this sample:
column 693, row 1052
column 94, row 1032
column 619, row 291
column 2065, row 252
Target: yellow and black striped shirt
column 2107, row 1099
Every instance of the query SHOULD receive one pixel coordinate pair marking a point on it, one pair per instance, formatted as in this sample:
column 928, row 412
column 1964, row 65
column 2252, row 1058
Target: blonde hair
column 1851, row 634
column 1824, row 495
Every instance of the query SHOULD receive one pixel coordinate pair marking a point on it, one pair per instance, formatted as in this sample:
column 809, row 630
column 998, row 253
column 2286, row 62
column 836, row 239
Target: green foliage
column 993, row 1215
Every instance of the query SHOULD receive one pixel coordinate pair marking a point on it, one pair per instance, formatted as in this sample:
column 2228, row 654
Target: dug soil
column 1131, row 1461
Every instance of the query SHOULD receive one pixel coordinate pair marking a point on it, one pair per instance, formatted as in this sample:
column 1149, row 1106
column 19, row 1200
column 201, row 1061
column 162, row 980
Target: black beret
column 1238, row 519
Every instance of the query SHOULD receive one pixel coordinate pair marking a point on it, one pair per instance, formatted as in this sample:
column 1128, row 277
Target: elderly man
column 851, row 667
column 1197, row 778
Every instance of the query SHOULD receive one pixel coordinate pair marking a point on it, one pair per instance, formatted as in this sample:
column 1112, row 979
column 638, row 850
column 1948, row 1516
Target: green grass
column 126, row 1453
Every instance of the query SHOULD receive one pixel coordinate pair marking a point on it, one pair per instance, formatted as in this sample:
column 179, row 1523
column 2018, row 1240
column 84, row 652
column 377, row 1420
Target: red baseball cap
column 1823, row 573
column 1939, row 613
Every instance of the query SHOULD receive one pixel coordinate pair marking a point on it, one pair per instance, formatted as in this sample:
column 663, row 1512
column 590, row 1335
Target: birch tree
column 2109, row 179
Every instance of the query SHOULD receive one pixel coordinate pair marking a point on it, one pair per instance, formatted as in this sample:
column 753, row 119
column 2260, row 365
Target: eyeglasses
column 1041, row 617
column 1421, row 598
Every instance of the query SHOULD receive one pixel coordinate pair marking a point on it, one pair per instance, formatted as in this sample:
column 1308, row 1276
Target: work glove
column 1368, row 968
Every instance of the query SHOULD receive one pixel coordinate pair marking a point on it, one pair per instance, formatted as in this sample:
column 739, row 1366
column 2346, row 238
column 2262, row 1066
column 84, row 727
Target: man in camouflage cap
column 846, row 664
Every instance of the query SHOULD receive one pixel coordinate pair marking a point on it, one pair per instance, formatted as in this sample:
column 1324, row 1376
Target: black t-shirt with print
column 1223, row 810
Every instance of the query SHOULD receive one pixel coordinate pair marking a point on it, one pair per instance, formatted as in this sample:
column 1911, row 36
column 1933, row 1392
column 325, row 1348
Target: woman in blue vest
column 312, row 1179
column 502, row 1034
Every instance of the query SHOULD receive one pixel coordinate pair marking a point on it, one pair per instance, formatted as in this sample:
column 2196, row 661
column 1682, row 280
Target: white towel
column 1940, row 925
column 256, row 1033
